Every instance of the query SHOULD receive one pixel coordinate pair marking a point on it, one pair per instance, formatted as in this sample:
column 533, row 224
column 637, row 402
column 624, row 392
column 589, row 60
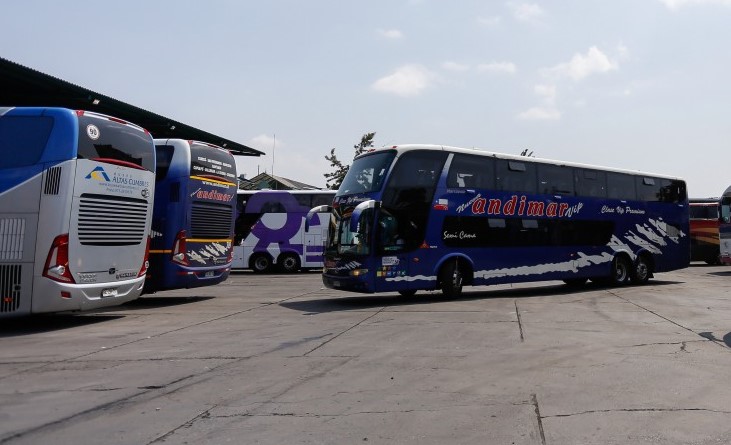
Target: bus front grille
column 211, row 221
column 12, row 235
column 111, row 220
column 9, row 287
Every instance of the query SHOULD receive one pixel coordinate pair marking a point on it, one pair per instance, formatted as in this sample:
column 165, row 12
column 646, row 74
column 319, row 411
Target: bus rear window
column 212, row 162
column 23, row 139
column 104, row 139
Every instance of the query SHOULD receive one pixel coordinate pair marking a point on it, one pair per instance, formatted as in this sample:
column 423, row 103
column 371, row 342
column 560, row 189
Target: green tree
column 336, row 176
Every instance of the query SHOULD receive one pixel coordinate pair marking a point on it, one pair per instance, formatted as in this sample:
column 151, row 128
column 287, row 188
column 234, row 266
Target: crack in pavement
column 637, row 410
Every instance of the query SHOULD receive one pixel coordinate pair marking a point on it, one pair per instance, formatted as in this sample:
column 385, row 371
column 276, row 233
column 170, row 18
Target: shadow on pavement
column 370, row 301
column 151, row 302
column 36, row 324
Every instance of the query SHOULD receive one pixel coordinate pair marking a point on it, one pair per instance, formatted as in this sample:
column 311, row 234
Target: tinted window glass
column 211, row 161
column 100, row 139
column 367, row 173
column 474, row 231
column 555, row 179
column 303, row 199
column 467, row 171
column 23, row 139
column 591, row 183
column 163, row 156
column 516, row 176
column 620, row 186
column 322, row 199
column 407, row 199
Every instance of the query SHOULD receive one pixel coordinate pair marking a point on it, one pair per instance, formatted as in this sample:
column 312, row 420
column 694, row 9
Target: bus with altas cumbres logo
column 76, row 192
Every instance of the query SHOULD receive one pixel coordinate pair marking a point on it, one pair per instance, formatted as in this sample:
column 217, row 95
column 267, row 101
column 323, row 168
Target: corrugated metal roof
column 26, row 87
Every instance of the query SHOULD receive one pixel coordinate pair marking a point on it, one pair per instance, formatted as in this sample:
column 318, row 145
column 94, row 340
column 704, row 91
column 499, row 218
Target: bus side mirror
column 358, row 211
column 313, row 211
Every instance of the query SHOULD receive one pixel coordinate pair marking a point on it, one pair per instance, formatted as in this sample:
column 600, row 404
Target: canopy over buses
column 431, row 217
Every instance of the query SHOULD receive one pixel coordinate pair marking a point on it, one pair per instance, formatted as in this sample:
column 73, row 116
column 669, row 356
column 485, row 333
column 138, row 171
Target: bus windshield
column 367, row 173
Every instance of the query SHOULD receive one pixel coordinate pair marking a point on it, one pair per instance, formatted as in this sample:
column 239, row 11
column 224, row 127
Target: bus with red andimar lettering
column 431, row 217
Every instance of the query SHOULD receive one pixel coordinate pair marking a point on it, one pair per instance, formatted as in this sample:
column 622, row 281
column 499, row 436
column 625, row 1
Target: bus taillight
column 179, row 255
column 146, row 262
column 57, row 262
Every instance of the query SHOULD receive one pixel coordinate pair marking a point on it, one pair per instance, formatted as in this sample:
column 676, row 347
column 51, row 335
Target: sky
column 631, row 84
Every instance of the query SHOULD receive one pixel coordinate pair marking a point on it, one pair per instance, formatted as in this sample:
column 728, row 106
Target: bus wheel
column 620, row 271
column 642, row 271
column 260, row 263
column 451, row 278
column 289, row 263
column 407, row 292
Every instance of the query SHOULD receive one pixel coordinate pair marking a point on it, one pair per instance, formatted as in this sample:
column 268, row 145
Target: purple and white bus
column 427, row 217
column 271, row 233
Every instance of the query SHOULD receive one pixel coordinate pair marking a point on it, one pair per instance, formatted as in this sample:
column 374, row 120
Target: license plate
column 111, row 292
column 210, row 274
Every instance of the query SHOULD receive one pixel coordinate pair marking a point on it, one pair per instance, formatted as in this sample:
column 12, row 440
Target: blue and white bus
column 76, row 194
column 423, row 217
column 193, row 220
column 271, row 231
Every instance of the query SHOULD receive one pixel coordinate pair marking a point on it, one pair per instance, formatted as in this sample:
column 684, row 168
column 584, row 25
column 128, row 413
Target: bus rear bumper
column 52, row 296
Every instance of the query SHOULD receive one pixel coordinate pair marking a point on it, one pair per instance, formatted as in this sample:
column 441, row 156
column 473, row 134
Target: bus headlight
column 358, row 272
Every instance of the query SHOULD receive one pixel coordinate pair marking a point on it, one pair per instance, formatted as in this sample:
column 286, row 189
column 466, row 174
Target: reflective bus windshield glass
column 367, row 173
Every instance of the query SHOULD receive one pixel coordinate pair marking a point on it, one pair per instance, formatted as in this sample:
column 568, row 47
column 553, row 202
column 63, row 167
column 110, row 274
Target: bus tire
column 288, row 263
column 642, row 270
column 620, row 271
column 451, row 278
column 260, row 262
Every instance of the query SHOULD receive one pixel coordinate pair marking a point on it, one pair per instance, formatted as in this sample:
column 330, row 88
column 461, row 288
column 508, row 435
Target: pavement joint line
column 343, row 332
column 520, row 322
column 539, row 418
column 203, row 414
column 638, row 410
column 70, row 359
column 708, row 336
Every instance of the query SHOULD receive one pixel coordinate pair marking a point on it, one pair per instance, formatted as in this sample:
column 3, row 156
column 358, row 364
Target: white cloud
column 677, row 4
column 540, row 114
column 583, row 65
column 390, row 33
column 264, row 142
column 408, row 80
column 527, row 12
column 547, row 92
column 454, row 66
column 489, row 21
column 497, row 67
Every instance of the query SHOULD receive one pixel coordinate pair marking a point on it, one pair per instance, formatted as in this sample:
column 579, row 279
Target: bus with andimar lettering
column 431, row 217
column 76, row 192
column 193, row 219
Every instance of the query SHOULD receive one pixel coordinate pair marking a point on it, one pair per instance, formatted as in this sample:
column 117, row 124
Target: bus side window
column 555, row 179
column 515, row 176
column 468, row 171
column 273, row 207
column 591, row 183
column 620, row 186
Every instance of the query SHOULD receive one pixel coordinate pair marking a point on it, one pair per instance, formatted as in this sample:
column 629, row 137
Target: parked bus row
column 78, row 228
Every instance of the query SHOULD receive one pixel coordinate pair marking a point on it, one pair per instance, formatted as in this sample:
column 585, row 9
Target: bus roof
column 497, row 155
